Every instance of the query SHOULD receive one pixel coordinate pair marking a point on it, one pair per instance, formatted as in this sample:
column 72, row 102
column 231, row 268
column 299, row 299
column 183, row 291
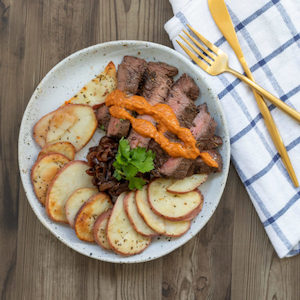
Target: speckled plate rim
column 185, row 238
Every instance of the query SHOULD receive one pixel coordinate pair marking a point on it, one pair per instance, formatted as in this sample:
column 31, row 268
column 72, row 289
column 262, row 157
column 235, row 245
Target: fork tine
column 207, row 43
column 197, row 50
column 197, row 60
column 206, row 51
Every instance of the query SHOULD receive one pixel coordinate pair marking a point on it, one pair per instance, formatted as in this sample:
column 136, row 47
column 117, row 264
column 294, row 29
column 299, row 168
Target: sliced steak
column 201, row 167
column 137, row 140
column 176, row 167
column 103, row 116
column 180, row 99
column 118, row 128
column 160, row 157
column 129, row 75
column 208, row 143
column 204, row 126
column 157, row 83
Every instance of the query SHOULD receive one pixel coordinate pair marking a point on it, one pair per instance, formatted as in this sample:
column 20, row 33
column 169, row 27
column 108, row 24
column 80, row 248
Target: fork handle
column 280, row 104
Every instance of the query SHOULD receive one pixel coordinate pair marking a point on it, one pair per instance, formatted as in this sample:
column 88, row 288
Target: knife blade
column 223, row 20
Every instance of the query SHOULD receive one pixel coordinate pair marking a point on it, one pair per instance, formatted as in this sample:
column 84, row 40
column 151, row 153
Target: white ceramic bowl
column 62, row 82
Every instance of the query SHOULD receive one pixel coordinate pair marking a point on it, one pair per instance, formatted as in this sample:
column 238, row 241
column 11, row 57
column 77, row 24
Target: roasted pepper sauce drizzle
column 163, row 114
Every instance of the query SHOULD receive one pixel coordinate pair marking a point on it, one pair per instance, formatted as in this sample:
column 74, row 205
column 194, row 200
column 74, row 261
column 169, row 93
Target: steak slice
column 129, row 75
column 103, row 116
column 204, row 126
column 180, row 97
column 201, row 167
column 157, row 83
column 209, row 143
column 176, row 167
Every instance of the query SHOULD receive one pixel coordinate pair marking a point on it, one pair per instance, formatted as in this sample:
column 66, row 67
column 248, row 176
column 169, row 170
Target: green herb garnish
column 102, row 127
column 130, row 162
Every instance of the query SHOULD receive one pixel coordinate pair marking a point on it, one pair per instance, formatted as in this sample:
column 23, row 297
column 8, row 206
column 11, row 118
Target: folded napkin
column 268, row 32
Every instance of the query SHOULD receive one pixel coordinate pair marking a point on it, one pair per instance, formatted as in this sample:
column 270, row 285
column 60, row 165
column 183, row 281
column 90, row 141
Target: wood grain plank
column 11, row 91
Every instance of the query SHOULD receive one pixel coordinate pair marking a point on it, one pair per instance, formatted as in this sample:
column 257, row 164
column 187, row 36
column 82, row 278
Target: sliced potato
column 65, row 148
column 187, row 184
column 135, row 218
column 157, row 223
column 99, row 230
column 88, row 213
column 74, row 123
column 43, row 171
column 121, row 235
column 40, row 129
column 76, row 200
column 171, row 206
column 95, row 92
column 70, row 178
column 196, row 212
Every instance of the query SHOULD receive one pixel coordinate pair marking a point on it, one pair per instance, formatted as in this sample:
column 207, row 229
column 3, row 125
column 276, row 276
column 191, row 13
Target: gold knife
column 223, row 20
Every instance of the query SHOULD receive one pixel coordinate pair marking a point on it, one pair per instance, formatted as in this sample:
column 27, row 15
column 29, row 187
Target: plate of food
column 124, row 151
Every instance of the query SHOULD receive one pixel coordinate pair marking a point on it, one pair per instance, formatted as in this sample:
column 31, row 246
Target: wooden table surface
column 231, row 258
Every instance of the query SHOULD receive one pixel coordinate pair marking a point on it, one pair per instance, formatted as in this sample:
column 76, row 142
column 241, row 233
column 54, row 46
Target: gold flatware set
column 214, row 61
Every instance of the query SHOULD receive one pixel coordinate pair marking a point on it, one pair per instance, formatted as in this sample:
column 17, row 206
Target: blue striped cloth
column 268, row 32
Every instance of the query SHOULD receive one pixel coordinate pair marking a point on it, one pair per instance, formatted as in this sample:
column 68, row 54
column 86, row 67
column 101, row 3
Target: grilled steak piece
column 160, row 157
column 137, row 140
column 103, row 116
column 204, row 126
column 209, row 143
column 118, row 128
column 157, row 83
column 180, row 99
column 129, row 75
column 200, row 167
column 176, row 167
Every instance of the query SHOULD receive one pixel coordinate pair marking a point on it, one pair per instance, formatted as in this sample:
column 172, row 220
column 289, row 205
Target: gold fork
column 215, row 61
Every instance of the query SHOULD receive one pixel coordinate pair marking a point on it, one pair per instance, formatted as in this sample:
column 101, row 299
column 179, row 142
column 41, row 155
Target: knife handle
column 280, row 104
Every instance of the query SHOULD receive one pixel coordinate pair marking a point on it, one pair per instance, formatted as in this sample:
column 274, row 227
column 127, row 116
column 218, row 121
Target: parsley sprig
column 130, row 162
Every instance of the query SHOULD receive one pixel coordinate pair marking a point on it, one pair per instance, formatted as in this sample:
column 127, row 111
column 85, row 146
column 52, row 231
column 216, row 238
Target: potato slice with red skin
column 99, row 230
column 74, row 123
column 157, row 223
column 121, row 236
column 196, row 212
column 70, row 178
column 187, row 184
column 173, row 207
column 88, row 213
column 65, row 148
column 43, row 171
column 95, row 91
column 75, row 202
column 40, row 129
column 135, row 218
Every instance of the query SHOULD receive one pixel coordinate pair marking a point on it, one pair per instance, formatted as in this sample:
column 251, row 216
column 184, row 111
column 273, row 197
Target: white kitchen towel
column 268, row 32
